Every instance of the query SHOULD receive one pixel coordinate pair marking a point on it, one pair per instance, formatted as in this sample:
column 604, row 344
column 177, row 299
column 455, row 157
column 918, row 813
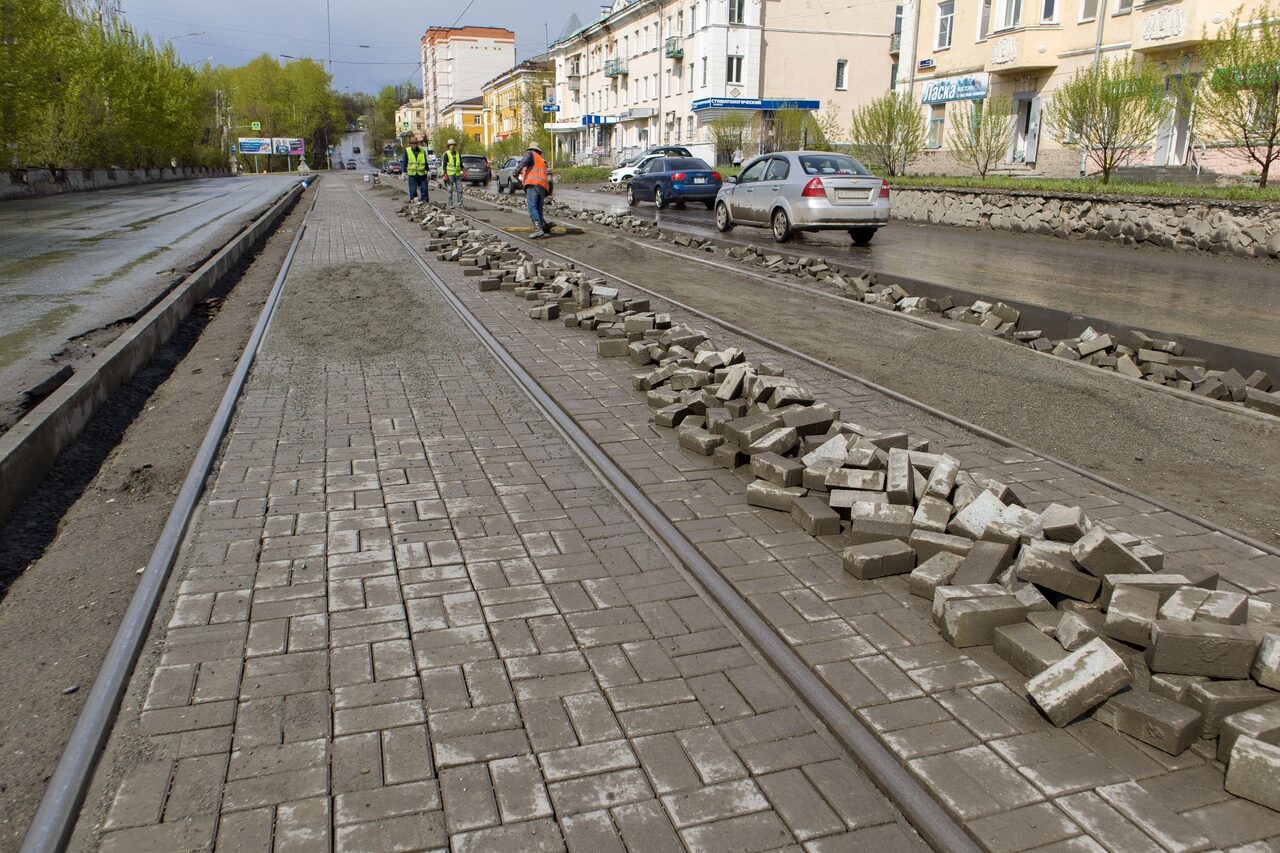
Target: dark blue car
column 674, row 179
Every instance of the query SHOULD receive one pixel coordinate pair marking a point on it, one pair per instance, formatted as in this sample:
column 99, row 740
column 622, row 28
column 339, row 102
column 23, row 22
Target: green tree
column 889, row 132
column 441, row 135
column 1110, row 111
column 980, row 132
column 829, row 126
column 728, row 133
column 1238, row 98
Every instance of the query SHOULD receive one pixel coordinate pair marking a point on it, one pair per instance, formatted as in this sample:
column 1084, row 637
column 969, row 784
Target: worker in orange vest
column 535, row 177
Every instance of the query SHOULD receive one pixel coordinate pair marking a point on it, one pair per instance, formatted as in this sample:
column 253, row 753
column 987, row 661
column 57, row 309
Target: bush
column 888, row 132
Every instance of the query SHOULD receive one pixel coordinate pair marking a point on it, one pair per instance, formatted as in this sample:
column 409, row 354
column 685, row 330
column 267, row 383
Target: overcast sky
column 234, row 31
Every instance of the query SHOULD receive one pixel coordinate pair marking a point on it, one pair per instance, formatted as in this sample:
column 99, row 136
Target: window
column 778, row 169
column 937, row 116
column 737, row 9
column 693, row 17
column 1012, row 14
column 893, row 78
column 946, row 17
column 1123, row 7
column 680, row 23
column 733, row 73
column 984, row 19
column 646, row 40
column 626, row 46
column 842, row 68
column 1088, row 10
column 754, row 172
column 897, row 19
column 1049, row 12
column 668, row 81
column 678, row 79
column 704, row 72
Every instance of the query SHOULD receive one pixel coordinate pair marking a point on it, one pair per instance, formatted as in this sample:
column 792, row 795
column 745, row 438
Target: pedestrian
column 737, row 157
column 453, row 173
column 532, row 173
column 414, row 165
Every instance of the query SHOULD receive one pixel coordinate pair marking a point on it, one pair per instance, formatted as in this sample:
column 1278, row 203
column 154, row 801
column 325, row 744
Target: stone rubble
column 1134, row 354
column 1086, row 612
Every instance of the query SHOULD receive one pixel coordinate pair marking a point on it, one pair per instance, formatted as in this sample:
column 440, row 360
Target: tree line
column 80, row 89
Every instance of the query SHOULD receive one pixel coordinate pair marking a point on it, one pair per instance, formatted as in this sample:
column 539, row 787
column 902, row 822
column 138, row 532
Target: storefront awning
column 754, row 104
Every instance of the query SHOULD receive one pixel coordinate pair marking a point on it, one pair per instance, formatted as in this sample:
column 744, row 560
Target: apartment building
column 411, row 119
column 651, row 72
column 456, row 61
column 506, row 96
column 956, row 51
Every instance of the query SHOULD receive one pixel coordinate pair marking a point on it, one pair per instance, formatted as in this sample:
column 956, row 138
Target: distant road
column 1218, row 298
column 72, row 263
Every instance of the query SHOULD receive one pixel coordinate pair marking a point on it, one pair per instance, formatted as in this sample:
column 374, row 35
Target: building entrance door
column 1174, row 138
column 1025, row 142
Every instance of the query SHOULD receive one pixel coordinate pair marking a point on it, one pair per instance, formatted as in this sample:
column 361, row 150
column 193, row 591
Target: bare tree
column 1110, row 111
column 1238, row 98
column 888, row 132
column 830, row 130
column 729, row 133
column 980, row 132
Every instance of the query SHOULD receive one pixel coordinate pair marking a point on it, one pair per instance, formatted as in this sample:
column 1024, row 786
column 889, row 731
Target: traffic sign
column 406, row 124
column 551, row 108
column 255, row 125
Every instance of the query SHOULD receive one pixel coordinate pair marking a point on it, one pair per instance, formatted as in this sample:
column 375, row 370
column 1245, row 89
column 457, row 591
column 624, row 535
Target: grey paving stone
column 1078, row 682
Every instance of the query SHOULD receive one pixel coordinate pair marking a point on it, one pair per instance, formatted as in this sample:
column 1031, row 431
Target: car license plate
column 848, row 195
column 699, row 180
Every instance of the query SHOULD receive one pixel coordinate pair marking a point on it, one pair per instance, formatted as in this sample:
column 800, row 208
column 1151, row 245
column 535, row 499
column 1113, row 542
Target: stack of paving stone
column 1089, row 614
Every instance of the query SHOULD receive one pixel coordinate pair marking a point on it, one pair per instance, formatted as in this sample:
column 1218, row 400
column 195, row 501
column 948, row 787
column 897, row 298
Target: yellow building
column 466, row 116
column 505, row 97
column 966, row 49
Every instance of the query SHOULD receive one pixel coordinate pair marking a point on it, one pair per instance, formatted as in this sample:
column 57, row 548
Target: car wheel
column 711, row 205
column 723, row 222
column 862, row 236
column 658, row 198
column 781, row 226
column 631, row 196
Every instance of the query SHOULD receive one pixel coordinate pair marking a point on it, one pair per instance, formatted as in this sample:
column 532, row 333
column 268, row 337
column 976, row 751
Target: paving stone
column 972, row 621
column 1154, row 720
column 1026, row 648
column 1261, row 722
column 1063, row 523
column 1200, row 648
column 870, row 522
column 972, row 521
column 1131, row 615
column 746, row 430
column 1266, row 665
column 1100, row 555
column 1164, row 585
column 1218, row 699
column 766, row 494
column 780, row 440
column 928, row 544
column 984, row 562
column 932, row 573
column 776, row 469
column 699, row 440
column 1078, row 683
column 815, row 517
column 878, row 559
column 1253, row 771
column 932, row 514
column 1075, row 629
column 942, row 479
column 856, row 478
column 1049, row 565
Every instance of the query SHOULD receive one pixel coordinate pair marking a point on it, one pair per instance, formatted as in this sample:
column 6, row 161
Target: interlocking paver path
column 409, row 617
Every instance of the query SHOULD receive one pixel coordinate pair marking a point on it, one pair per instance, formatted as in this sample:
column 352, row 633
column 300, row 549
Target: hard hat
column 534, row 146
column 451, row 142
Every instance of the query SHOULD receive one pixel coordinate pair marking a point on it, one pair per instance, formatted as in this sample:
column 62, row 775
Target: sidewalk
column 410, row 617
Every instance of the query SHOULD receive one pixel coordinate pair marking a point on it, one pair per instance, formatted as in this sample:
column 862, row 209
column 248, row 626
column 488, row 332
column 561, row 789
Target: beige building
column 466, row 116
column 651, row 72
column 506, row 96
column 965, row 49
column 410, row 119
column 457, row 60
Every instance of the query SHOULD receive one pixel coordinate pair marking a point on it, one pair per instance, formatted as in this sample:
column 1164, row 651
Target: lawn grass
column 582, row 174
column 1092, row 187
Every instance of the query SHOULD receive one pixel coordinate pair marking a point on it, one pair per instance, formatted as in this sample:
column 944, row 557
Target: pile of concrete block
column 1090, row 615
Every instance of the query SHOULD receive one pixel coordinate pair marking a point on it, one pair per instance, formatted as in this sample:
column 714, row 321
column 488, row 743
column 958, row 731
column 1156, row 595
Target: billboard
column 962, row 87
column 287, row 145
column 255, row 145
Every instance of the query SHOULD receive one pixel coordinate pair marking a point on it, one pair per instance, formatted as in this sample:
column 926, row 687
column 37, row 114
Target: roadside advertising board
column 287, row 145
column 255, row 145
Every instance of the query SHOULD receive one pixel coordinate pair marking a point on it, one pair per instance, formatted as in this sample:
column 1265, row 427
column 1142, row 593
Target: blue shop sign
column 753, row 104
column 962, row 87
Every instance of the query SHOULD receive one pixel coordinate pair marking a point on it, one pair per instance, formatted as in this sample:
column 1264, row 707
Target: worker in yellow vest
column 535, row 177
column 453, row 174
column 415, row 170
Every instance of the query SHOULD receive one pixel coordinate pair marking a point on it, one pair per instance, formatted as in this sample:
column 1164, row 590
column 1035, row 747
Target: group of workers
column 532, row 174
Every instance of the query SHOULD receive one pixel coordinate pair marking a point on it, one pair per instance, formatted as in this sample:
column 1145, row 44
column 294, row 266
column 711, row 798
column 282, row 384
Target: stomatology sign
column 962, row 87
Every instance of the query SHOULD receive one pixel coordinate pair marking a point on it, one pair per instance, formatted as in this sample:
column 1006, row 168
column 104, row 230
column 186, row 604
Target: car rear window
column 831, row 164
column 472, row 160
column 674, row 163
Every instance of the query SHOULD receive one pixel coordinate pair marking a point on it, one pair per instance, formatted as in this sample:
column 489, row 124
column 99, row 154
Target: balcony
column 895, row 44
column 575, row 82
column 615, row 67
column 673, row 49
column 1020, row 50
column 1168, row 27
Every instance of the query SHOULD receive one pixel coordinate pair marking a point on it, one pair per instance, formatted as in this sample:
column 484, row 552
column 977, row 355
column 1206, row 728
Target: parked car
column 355, row 149
column 668, row 150
column 508, row 182
column 394, row 168
column 475, row 169
column 627, row 169
column 433, row 166
column 789, row 191
column 351, row 165
column 663, row 180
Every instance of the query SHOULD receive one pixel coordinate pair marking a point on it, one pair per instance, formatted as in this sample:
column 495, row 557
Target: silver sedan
column 789, row 191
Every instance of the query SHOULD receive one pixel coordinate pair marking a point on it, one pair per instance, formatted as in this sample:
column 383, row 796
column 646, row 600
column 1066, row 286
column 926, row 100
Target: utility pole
column 1097, row 61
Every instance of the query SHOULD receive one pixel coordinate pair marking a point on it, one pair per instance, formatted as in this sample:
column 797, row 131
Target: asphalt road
column 76, row 262
column 1222, row 299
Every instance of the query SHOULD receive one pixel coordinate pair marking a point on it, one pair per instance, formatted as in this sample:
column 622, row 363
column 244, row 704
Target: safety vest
column 452, row 163
column 417, row 162
column 536, row 175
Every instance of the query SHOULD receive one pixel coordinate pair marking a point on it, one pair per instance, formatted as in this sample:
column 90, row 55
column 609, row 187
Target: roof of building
column 540, row 63
column 475, row 102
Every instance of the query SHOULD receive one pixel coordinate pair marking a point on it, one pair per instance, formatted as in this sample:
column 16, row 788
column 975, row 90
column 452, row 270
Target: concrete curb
column 39, row 183
column 31, row 447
